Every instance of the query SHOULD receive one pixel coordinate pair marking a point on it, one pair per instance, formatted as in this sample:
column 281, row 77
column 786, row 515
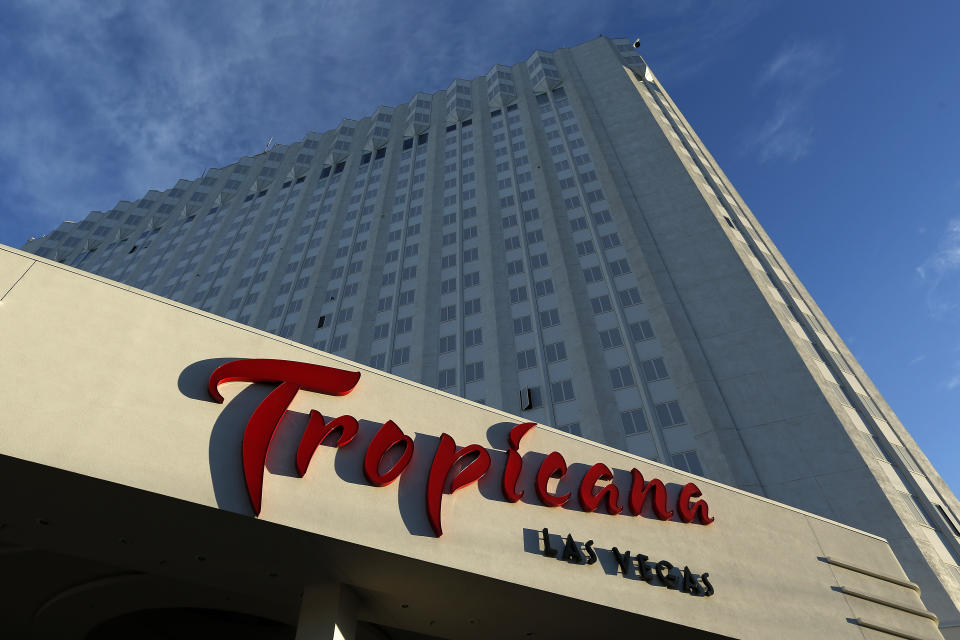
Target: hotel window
column 619, row 267
column 522, row 325
column 400, row 356
column 874, row 445
column 448, row 261
column 610, row 338
column 601, row 304
column 514, row 267
column 381, row 331
column 530, row 398
column 338, row 343
column 561, row 391
column 526, row 359
column 473, row 337
column 471, row 279
column 544, row 287
column 385, row 304
column 447, row 378
column 573, row 427
column 593, row 274
column 585, row 247
column 578, row 224
column 601, row 217
column 634, row 421
column 669, row 414
column 913, row 504
column 405, row 297
column 448, row 344
column 908, row 462
column 688, row 461
column 448, row 313
column 538, row 261
column 377, row 361
column 610, row 241
column 471, row 255
column 640, row 331
column 404, row 325
column 408, row 273
column 518, row 294
column 345, row 315
column 448, row 286
column 630, row 297
column 555, row 352
column 549, row 318
column 654, row 370
column 471, row 307
column 621, row 377
column 594, row 196
column 473, row 372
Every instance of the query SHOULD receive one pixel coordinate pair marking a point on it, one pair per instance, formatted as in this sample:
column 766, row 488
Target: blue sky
column 838, row 123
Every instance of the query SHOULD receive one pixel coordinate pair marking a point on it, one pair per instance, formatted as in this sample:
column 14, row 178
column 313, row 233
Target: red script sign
column 291, row 377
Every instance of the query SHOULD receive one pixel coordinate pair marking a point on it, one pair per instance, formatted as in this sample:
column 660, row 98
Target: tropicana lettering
column 291, row 377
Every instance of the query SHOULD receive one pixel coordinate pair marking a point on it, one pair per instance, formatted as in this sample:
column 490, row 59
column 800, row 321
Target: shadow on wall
column 226, row 466
column 226, row 437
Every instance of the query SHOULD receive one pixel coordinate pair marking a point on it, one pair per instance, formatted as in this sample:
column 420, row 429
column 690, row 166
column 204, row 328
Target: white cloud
column 689, row 37
column 800, row 65
column 793, row 76
column 114, row 98
column 105, row 100
column 940, row 273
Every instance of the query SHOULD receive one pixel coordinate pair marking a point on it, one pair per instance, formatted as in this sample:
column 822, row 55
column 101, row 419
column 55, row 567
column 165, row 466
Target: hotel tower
column 551, row 239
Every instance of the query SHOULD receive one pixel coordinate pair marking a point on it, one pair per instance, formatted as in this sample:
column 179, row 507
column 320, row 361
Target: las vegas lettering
column 640, row 565
column 291, row 377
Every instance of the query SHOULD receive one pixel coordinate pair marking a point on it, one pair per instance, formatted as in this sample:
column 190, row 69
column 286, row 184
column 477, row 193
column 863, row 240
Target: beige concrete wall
column 109, row 382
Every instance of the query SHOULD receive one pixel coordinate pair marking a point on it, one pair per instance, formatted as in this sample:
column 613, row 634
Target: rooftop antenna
column 268, row 144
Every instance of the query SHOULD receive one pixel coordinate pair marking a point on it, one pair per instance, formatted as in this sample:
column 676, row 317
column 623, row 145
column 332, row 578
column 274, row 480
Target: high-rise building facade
column 552, row 239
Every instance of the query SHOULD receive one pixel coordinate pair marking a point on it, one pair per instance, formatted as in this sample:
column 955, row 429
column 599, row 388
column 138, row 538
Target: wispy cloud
column 940, row 273
column 683, row 38
column 109, row 99
column 105, row 100
column 792, row 78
